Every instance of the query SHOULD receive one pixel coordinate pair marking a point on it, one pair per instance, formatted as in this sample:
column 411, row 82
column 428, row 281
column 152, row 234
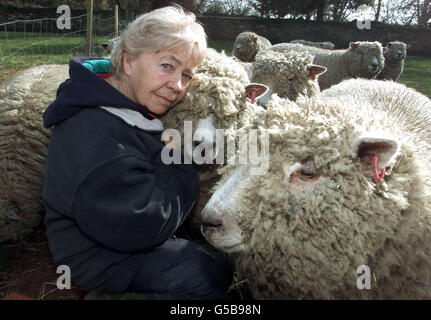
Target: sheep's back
column 23, row 139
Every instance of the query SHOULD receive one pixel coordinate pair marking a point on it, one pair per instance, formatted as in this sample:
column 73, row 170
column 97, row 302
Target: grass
column 417, row 74
column 54, row 49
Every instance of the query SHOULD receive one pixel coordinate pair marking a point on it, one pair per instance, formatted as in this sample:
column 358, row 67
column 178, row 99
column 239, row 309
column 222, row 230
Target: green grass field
column 54, row 49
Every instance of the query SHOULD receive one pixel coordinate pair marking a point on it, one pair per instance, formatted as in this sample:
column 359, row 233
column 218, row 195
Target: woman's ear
column 127, row 64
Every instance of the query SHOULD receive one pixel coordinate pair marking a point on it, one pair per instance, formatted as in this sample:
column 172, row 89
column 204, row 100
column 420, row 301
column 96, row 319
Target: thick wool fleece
column 248, row 44
column 306, row 242
column 23, row 146
column 341, row 64
column 285, row 73
column 394, row 61
column 411, row 108
column 323, row 44
column 217, row 91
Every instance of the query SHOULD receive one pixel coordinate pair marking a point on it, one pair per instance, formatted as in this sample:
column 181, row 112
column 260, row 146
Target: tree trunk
column 320, row 10
column 379, row 6
column 424, row 13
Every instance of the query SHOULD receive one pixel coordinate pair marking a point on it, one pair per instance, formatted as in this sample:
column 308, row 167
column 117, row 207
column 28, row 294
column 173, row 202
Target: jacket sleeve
column 131, row 205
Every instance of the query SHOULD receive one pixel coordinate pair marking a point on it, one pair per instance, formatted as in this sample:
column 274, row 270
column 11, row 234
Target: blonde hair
column 168, row 28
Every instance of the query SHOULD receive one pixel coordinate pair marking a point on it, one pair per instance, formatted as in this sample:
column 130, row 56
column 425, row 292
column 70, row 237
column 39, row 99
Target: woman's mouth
column 165, row 100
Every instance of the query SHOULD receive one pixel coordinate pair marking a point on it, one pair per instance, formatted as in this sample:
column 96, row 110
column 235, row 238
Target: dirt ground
column 30, row 273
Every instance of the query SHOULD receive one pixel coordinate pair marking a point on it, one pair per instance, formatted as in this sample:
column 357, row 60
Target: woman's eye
column 166, row 66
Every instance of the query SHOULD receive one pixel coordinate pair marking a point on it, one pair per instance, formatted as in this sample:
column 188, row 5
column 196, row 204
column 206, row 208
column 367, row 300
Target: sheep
column 218, row 98
column 360, row 60
column 324, row 45
column 288, row 74
column 23, row 146
column 248, row 44
column 394, row 61
column 345, row 203
column 108, row 46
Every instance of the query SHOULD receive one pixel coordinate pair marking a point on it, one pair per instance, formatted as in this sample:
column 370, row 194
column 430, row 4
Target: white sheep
column 394, row 60
column 288, row 74
column 248, row 44
column 23, row 146
column 345, row 203
column 361, row 60
column 324, row 44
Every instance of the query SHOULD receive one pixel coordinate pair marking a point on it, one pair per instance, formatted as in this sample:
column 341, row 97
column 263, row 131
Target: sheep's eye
column 308, row 173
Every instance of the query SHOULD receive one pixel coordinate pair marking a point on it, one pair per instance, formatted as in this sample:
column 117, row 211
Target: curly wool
column 324, row 45
column 394, row 63
column 341, row 64
column 307, row 242
column 23, row 146
column 248, row 44
column 218, row 64
column 285, row 73
column 414, row 116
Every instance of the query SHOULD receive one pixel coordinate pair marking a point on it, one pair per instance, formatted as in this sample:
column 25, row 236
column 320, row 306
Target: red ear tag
column 253, row 96
column 376, row 175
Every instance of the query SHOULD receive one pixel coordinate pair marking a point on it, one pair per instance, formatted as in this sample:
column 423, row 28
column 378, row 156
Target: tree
column 406, row 12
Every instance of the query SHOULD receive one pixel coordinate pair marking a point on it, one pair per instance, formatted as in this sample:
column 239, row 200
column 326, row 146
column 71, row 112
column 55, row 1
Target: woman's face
column 159, row 80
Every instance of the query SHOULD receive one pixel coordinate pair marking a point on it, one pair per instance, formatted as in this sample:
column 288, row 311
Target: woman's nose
column 175, row 83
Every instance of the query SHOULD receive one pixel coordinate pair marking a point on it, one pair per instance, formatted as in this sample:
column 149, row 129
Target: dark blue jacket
column 107, row 193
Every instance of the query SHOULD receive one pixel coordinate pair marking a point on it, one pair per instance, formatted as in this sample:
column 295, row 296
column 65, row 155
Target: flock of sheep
column 348, row 182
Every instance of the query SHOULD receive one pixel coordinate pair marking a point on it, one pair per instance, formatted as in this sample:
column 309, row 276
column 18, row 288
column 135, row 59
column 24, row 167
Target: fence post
column 88, row 39
column 116, row 20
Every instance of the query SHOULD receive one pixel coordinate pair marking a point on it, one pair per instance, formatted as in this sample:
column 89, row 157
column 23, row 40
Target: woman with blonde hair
column 112, row 205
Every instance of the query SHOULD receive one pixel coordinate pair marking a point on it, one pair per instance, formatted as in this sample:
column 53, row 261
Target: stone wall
column 283, row 30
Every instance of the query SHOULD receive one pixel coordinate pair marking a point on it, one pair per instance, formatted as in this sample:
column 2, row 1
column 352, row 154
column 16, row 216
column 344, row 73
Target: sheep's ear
column 385, row 50
column 314, row 70
column 384, row 148
column 408, row 45
column 354, row 45
column 255, row 91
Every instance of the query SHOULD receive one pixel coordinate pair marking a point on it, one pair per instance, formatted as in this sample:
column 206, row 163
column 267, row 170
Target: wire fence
column 43, row 37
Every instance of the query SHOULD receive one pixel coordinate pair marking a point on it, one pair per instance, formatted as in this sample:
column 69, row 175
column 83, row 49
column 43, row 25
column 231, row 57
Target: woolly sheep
column 248, row 44
column 361, row 60
column 23, row 146
column 394, row 60
column 108, row 46
column 324, row 45
column 303, row 230
column 288, row 74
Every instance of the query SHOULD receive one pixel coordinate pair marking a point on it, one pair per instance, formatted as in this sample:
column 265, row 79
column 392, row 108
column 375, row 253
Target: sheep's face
column 317, row 212
column 246, row 46
column 367, row 58
column 211, row 103
column 397, row 51
column 288, row 74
